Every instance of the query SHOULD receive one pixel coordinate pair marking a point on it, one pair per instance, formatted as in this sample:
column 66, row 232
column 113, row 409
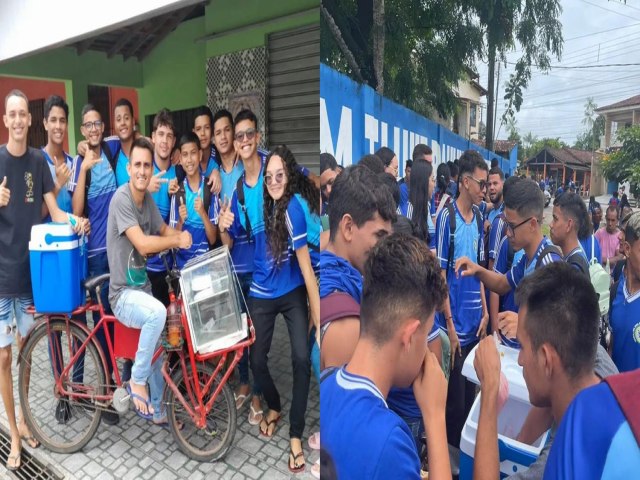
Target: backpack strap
column 243, row 208
column 546, row 251
column 452, row 232
column 625, row 388
column 617, row 271
column 480, row 222
column 578, row 262
column 336, row 306
column 510, row 254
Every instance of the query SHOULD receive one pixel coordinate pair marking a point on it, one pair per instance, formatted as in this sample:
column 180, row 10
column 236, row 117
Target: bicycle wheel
column 62, row 424
column 212, row 442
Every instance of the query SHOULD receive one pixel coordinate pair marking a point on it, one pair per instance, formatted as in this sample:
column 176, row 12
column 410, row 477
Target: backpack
column 625, row 389
column 546, row 251
column 452, row 231
column 181, row 194
column 112, row 161
column 600, row 280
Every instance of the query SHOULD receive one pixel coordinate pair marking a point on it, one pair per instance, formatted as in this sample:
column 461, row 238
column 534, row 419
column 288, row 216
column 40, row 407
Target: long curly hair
column 275, row 211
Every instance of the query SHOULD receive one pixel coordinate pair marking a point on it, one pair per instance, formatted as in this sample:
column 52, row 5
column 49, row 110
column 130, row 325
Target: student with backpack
column 459, row 234
column 524, row 205
column 193, row 208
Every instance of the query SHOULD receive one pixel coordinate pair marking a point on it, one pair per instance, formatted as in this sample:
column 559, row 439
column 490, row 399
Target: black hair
column 164, row 119
column 453, row 170
column 386, row 155
column 615, row 194
column 402, row 280
column 89, row 107
column 408, row 164
column 356, row 191
column 123, row 102
column 469, row 161
column 188, row 137
column 497, row 171
column 419, row 196
column 495, row 163
column 275, row 211
column 525, row 197
column 632, row 227
column 390, row 182
column 143, row 143
column 222, row 113
column 55, row 101
column 420, row 150
column 203, row 110
column 373, row 163
column 573, row 206
column 562, row 311
column 246, row 114
column 443, row 177
column 327, row 162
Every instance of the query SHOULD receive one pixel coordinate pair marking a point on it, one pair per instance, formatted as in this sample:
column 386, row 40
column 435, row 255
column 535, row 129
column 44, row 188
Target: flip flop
column 274, row 422
column 314, row 441
column 17, row 462
column 242, row 398
column 29, row 439
column 140, row 413
column 255, row 417
column 296, row 468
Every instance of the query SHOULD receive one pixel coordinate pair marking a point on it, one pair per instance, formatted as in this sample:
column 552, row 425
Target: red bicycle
column 63, row 381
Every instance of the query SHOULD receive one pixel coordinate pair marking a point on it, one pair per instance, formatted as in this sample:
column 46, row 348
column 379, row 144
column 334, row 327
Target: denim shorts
column 10, row 308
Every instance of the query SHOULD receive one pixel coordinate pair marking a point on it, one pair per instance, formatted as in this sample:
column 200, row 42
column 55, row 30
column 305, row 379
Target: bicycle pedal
column 121, row 400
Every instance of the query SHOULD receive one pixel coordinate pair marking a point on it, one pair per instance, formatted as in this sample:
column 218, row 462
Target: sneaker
column 110, row 416
column 63, row 411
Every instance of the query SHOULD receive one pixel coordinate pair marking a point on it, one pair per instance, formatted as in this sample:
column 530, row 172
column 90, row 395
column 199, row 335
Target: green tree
column 623, row 165
column 589, row 139
column 427, row 47
column 532, row 24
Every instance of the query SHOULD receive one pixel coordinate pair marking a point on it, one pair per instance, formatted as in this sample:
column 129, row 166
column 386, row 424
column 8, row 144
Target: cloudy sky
column 596, row 32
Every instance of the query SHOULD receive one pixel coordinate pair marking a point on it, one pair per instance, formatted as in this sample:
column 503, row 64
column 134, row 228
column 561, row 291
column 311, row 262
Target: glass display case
column 212, row 299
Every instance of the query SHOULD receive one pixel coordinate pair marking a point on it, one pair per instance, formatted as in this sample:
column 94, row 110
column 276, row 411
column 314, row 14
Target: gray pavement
column 135, row 449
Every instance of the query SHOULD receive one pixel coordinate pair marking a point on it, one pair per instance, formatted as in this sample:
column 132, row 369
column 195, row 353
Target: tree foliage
column 623, row 164
column 428, row 47
column 589, row 139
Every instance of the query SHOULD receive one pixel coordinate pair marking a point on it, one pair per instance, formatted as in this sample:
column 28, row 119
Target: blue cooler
column 515, row 456
column 58, row 258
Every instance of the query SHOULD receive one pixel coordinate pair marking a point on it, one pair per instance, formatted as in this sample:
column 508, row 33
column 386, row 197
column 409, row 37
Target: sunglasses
column 248, row 134
column 481, row 183
column 91, row 125
column 278, row 177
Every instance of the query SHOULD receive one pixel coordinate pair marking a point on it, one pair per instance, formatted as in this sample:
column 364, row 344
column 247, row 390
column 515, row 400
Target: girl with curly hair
column 283, row 279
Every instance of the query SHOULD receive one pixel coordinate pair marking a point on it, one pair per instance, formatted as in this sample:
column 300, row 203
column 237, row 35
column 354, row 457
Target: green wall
column 224, row 15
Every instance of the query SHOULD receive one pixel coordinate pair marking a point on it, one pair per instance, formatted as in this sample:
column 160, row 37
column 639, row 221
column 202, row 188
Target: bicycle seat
column 93, row 282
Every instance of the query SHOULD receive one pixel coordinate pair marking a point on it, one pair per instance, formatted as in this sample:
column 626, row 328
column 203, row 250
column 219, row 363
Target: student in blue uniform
column 203, row 128
column 570, row 221
column 282, row 280
column 124, row 122
column 402, row 289
column 189, row 211
column 417, row 208
column 56, row 114
column 624, row 316
column 230, row 164
column 558, row 331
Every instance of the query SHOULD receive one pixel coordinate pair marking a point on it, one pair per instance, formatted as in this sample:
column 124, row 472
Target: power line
column 585, row 66
column 612, row 11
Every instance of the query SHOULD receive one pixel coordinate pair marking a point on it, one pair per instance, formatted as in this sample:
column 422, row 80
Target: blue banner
column 356, row 121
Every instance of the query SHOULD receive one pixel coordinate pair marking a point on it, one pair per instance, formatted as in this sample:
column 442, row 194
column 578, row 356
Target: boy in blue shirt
column 189, row 211
column 123, row 122
column 624, row 315
column 466, row 311
column 402, row 289
column 569, row 222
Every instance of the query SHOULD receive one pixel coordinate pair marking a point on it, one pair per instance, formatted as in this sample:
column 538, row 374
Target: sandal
column 314, row 441
column 240, row 400
column 31, row 440
column 297, row 468
column 255, row 417
column 265, row 431
column 16, row 464
column 140, row 413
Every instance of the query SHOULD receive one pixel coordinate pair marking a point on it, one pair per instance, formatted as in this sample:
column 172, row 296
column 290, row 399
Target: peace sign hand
column 156, row 182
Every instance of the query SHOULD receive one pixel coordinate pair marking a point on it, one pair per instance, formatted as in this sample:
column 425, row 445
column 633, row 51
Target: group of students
column 382, row 305
column 141, row 196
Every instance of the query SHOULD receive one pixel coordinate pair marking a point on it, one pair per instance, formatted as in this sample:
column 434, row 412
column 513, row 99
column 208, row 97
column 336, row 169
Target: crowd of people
column 135, row 197
column 415, row 274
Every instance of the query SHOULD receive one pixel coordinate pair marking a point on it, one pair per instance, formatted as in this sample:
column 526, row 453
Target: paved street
column 135, row 449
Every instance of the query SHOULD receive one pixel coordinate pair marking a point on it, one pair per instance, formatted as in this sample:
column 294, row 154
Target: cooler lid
column 510, row 368
column 53, row 236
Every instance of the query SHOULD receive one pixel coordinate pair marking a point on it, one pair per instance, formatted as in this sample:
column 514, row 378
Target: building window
column 472, row 115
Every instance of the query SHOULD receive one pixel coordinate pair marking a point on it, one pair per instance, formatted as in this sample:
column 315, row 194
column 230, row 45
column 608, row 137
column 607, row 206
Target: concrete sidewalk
column 135, row 449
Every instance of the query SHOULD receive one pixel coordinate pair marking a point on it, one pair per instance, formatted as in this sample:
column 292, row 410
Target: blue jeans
column 8, row 308
column 137, row 309
column 99, row 264
column 243, row 366
column 417, row 430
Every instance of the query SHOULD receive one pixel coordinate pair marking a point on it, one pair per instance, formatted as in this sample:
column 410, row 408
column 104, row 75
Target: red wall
column 33, row 89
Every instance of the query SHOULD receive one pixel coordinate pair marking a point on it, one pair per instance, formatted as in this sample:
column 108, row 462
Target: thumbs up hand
column 225, row 217
column 62, row 172
column 182, row 210
column 5, row 193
